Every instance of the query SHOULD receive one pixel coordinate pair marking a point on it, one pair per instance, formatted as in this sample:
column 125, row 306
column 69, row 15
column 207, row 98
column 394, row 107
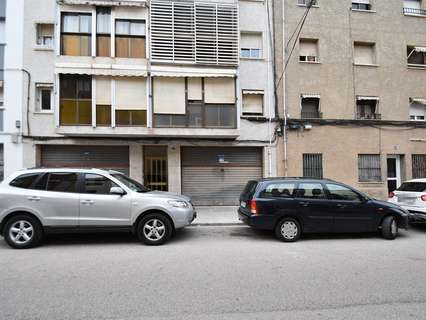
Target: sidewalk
column 216, row 216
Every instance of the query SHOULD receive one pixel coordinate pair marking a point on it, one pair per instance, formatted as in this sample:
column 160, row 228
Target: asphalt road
column 226, row 272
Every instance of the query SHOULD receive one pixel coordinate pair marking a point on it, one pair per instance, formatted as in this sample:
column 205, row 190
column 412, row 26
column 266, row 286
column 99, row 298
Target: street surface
column 216, row 272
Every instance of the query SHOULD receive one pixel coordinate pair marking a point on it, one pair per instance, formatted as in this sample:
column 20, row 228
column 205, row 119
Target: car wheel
column 288, row 230
column 154, row 229
column 389, row 228
column 23, row 232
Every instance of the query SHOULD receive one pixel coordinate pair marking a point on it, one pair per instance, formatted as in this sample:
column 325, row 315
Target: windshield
column 130, row 183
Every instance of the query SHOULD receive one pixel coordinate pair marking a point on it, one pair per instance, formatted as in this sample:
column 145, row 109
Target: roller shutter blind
column 308, row 47
column 195, row 89
column 253, row 103
column 169, row 95
column 130, row 94
column 103, row 91
column 364, row 53
column 219, row 90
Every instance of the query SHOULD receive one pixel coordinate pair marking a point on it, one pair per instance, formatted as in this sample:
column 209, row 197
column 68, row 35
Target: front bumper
column 416, row 216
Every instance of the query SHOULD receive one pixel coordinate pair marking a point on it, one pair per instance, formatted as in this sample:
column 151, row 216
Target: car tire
column 389, row 228
column 154, row 229
column 23, row 232
column 288, row 230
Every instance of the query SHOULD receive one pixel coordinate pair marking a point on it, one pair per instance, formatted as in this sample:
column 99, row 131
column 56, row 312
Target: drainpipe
column 285, row 135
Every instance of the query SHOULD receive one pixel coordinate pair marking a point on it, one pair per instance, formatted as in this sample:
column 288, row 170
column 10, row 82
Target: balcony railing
column 311, row 115
column 414, row 11
column 368, row 116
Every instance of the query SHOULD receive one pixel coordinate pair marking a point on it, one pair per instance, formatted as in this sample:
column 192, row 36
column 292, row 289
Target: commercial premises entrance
column 217, row 175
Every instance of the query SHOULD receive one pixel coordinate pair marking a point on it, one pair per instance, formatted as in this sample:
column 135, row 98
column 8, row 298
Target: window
column 310, row 106
column 419, row 166
column 62, row 182
column 103, row 115
column 103, row 101
column 252, row 102
column 312, row 165
column 367, row 108
column 1, row 119
column 364, row 53
column 130, row 39
column 338, row 192
column 130, row 117
column 251, row 45
column 97, row 184
column 130, row 102
column 413, row 7
column 25, row 181
column 45, row 32
column 413, row 186
column 44, row 97
column 416, row 56
column 361, row 5
column 418, row 109
column 308, row 50
column 278, row 190
column 220, row 116
column 75, row 100
column 103, row 32
column 76, row 34
column 369, row 168
column 307, row 2
column 310, row 191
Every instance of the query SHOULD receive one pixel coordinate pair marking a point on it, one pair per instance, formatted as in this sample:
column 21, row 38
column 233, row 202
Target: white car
column 411, row 195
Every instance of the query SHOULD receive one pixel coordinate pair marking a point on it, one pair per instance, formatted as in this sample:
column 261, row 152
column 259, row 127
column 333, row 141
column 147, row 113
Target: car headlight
column 178, row 204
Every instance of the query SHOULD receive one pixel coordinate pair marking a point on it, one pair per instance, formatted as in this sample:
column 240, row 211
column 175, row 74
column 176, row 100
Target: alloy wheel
column 21, row 232
column 154, row 229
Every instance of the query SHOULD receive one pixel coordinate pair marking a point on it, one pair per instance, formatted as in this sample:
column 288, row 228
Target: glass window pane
column 212, row 116
column 41, row 183
column 245, row 53
column 84, row 84
column 68, row 112
column 310, row 191
column 122, row 27
column 85, row 46
column 84, row 112
column 70, row 23
column 46, row 99
column 195, row 114
column 68, row 87
column 137, row 28
column 122, row 47
column 122, row 117
column 97, row 184
column 227, row 116
column 338, row 192
column 162, row 120
column 62, row 182
column 137, row 48
column 70, row 45
column 278, row 190
column 103, row 21
column 139, row 118
column 103, row 46
column 255, row 53
column 24, row 181
column 85, row 23
column 103, row 115
column 178, row 120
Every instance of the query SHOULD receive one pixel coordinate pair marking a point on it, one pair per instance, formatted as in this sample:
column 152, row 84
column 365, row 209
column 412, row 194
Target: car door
column 350, row 212
column 98, row 207
column 55, row 196
column 314, row 207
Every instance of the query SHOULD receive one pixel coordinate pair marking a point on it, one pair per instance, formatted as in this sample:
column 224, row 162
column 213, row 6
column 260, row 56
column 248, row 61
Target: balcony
column 414, row 12
column 368, row 116
column 311, row 115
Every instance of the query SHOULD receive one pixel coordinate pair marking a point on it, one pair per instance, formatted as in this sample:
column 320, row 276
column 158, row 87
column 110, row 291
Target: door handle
column 33, row 198
column 304, row 204
column 89, row 202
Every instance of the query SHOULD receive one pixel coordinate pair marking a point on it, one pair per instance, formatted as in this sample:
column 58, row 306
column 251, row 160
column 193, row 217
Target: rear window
column 249, row 189
column 413, row 186
column 278, row 190
column 62, row 182
column 24, row 181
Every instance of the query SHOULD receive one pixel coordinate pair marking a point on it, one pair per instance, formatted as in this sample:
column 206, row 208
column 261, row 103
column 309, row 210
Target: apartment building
column 353, row 93
column 160, row 90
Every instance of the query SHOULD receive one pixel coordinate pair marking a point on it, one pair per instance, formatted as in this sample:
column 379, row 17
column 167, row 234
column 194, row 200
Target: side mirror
column 117, row 190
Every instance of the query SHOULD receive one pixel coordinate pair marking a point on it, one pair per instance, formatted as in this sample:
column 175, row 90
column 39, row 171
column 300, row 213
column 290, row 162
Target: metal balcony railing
column 414, row 11
column 311, row 115
column 368, row 116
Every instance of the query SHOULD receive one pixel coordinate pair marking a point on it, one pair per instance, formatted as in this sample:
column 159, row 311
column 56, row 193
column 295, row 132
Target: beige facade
column 360, row 55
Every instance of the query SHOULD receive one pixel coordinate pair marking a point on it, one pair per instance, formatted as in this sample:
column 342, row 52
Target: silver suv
column 38, row 201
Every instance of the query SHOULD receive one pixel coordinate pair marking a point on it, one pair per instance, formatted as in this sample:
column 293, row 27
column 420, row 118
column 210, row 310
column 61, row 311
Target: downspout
column 284, row 80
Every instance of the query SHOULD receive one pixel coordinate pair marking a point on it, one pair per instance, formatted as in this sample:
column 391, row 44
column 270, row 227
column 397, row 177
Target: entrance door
column 155, row 168
column 394, row 172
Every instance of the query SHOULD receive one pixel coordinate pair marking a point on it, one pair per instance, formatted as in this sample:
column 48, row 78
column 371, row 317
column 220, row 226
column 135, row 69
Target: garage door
column 217, row 176
column 102, row 157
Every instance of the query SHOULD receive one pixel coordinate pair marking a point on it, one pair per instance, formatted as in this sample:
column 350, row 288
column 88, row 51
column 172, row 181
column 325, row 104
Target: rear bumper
column 265, row 222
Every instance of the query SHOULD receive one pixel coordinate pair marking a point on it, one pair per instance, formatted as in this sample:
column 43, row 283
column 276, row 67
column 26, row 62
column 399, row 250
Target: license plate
column 243, row 204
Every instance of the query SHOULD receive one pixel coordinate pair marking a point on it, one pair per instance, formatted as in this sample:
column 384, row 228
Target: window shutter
column 219, row 90
column 308, row 48
column 130, row 94
column 195, row 89
column 169, row 95
column 412, row 4
column 251, row 40
column 253, row 103
column 103, row 90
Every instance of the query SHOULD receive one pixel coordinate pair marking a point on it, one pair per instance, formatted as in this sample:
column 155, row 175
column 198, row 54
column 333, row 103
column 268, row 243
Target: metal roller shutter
column 217, row 175
column 102, row 157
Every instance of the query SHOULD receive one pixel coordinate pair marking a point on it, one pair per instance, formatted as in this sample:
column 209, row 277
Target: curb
column 216, row 224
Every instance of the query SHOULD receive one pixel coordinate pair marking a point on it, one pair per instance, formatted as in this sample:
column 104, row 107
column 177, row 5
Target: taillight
column 253, row 207
column 423, row 197
column 391, row 195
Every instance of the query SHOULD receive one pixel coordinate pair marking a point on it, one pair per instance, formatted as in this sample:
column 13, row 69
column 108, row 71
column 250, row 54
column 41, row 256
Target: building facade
column 353, row 95
column 177, row 94
column 2, row 49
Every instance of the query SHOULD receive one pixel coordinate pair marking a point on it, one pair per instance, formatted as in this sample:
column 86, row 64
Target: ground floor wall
column 342, row 149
